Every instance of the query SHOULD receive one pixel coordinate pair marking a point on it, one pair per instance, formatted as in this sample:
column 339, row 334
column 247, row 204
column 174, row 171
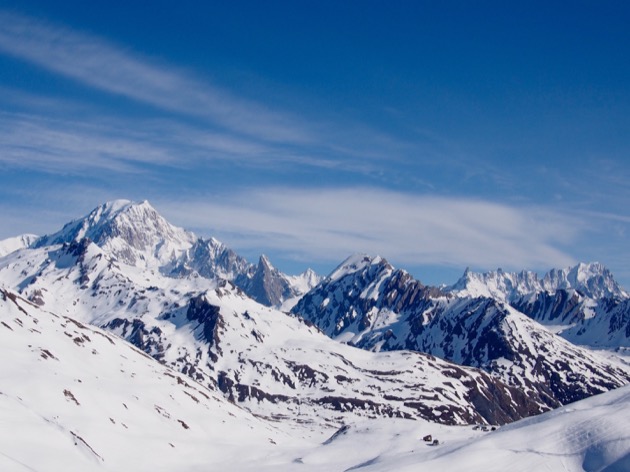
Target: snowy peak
column 369, row 304
column 583, row 303
column 362, row 295
column 212, row 259
column 497, row 284
column 304, row 282
column 356, row 263
column 7, row 246
column 134, row 233
column 590, row 280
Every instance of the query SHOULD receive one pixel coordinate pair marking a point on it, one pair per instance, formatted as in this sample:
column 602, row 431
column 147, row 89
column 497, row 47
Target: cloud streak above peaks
column 330, row 224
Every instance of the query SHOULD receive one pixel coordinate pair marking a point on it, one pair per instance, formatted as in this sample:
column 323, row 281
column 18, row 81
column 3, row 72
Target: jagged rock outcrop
column 267, row 285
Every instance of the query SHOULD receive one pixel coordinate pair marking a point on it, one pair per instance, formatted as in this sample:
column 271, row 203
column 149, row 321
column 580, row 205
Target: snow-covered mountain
column 272, row 363
column 589, row 280
column 224, row 373
column 132, row 233
column 368, row 303
column 584, row 303
column 7, row 246
column 135, row 234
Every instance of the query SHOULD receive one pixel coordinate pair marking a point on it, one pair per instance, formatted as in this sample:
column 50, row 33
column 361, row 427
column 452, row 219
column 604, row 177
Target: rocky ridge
column 368, row 303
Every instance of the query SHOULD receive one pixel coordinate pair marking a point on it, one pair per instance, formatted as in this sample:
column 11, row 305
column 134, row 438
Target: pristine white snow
column 7, row 246
column 301, row 284
column 592, row 280
column 590, row 435
column 74, row 397
column 354, row 263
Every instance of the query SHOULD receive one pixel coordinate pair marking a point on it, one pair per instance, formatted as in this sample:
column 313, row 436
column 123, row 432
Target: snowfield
column 589, row 435
column 74, row 397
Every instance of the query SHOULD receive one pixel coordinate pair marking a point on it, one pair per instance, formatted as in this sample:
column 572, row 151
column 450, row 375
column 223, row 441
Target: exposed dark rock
column 209, row 317
column 266, row 285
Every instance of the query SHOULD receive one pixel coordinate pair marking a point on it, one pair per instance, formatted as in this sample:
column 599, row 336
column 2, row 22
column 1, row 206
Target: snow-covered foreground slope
column 74, row 397
column 589, row 435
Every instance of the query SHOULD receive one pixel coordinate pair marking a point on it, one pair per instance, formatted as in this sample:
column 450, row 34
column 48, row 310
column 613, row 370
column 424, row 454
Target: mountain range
column 305, row 354
column 368, row 303
column 81, row 398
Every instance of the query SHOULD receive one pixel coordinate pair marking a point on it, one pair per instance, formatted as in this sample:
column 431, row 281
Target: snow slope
column 74, row 397
column 7, row 246
column 590, row 435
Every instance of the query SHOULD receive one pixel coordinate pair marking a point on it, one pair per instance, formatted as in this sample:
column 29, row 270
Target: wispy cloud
column 118, row 144
column 97, row 63
column 204, row 121
column 329, row 224
column 72, row 147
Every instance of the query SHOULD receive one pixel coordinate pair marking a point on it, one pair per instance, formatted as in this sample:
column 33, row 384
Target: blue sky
column 439, row 135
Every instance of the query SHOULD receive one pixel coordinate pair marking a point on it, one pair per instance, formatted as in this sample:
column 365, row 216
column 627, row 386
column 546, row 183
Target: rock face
column 361, row 294
column 267, row 285
column 366, row 302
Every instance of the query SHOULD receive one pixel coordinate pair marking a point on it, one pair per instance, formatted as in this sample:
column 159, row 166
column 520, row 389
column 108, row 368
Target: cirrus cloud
column 329, row 224
column 102, row 65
